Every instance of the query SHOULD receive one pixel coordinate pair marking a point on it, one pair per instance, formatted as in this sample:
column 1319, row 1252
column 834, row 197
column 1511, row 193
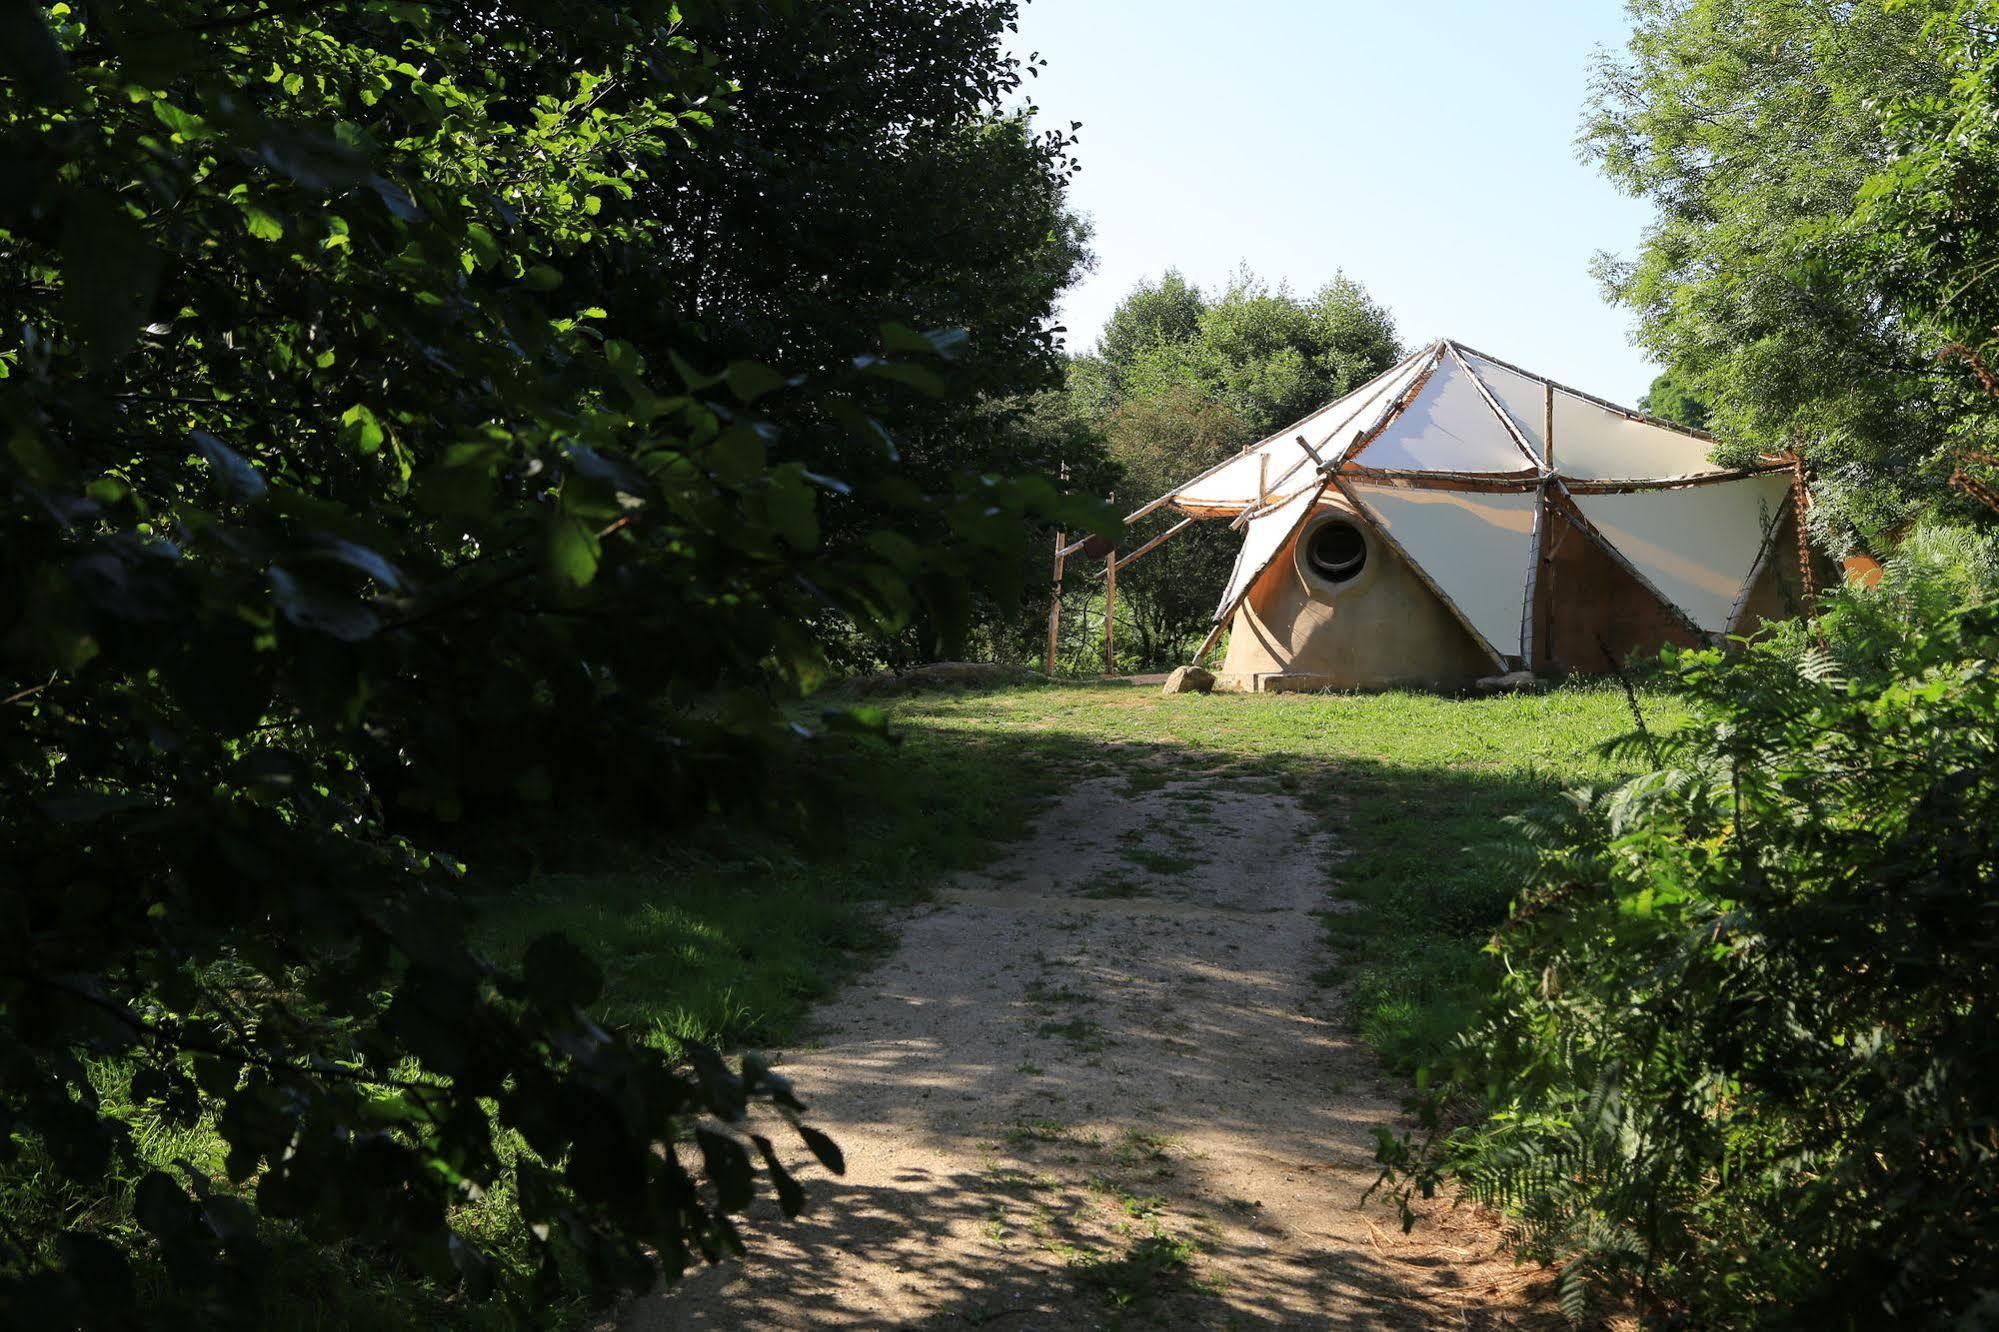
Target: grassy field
column 1416, row 787
column 728, row 941
column 729, row 937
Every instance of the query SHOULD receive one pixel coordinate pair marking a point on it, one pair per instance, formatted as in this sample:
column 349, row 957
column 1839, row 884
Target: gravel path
column 1096, row 1086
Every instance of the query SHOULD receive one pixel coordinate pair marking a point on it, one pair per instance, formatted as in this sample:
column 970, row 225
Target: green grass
column 730, row 939
column 1417, row 788
column 728, row 936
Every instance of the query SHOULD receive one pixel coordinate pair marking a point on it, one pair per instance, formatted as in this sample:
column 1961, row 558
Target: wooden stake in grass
column 1110, row 613
column 1055, row 597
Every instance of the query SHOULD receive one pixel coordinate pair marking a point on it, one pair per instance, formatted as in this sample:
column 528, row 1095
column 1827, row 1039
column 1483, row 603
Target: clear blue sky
column 1427, row 150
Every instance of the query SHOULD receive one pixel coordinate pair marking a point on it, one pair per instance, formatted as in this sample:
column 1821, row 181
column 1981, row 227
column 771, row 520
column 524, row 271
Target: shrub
column 1743, row 1062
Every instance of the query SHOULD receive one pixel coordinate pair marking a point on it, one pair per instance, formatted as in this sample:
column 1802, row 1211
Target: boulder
column 1188, row 680
column 1511, row 682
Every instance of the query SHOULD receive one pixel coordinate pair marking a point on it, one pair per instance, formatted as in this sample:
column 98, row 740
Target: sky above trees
column 1429, row 153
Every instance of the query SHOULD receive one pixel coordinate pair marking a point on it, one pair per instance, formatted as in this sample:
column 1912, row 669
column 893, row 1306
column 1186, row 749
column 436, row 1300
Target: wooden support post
column 1214, row 636
column 1054, row 610
column 1110, row 613
column 1801, row 502
column 1055, row 591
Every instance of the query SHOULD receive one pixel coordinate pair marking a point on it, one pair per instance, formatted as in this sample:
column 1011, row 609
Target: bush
column 352, row 491
column 1743, row 1063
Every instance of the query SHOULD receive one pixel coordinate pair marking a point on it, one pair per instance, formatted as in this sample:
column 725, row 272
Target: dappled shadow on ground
column 1096, row 1086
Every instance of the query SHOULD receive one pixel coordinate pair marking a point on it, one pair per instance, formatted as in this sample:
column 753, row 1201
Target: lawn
column 728, row 936
column 729, row 940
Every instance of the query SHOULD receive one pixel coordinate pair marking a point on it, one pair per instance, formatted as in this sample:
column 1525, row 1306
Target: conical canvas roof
column 1448, row 427
column 1451, row 455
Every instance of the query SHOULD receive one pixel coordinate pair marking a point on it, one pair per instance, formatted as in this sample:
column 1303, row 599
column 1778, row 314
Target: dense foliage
column 1179, row 380
column 1758, row 129
column 1669, row 399
column 389, row 445
column 1739, row 1065
column 1742, row 1061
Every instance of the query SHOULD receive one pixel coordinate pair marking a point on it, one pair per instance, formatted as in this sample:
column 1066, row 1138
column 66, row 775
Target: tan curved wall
column 1383, row 629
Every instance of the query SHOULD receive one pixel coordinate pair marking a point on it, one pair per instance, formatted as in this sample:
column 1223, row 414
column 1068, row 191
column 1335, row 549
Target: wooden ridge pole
column 1159, row 540
column 1801, row 499
column 1513, row 431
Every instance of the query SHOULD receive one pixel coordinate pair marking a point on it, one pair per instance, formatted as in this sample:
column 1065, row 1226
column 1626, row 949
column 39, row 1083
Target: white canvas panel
column 1448, row 428
column 1329, row 430
column 1698, row 544
column 1476, row 547
column 1263, row 537
column 1593, row 443
column 1525, row 399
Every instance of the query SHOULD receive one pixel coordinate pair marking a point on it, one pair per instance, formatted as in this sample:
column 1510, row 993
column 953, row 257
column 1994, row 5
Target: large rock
column 1510, row 683
column 1188, row 680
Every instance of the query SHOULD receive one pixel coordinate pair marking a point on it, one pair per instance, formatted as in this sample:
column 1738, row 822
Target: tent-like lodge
column 1457, row 517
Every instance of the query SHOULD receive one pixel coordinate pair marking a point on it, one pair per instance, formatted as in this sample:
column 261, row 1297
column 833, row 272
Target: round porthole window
column 1337, row 551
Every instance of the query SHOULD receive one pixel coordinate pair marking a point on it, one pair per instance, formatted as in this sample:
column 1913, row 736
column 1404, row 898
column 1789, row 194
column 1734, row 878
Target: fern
column 1743, row 1061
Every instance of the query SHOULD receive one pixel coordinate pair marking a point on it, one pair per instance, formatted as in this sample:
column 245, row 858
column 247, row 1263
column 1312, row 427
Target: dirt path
column 1096, row 1086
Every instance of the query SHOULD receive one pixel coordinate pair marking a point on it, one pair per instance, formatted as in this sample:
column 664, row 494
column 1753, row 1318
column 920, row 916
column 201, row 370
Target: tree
column 1271, row 357
column 863, row 170
column 1752, row 126
column 1180, row 380
column 1924, row 229
column 1158, row 442
column 355, row 487
column 1167, row 312
column 1669, row 400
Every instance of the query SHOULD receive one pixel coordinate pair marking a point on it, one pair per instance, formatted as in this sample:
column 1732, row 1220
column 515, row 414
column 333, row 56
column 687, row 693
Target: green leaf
column 235, row 477
column 573, row 549
column 737, row 456
column 728, row 1168
column 750, row 380
column 791, row 505
column 261, row 223
column 360, row 430
column 540, row 277
column 790, row 1197
column 484, row 245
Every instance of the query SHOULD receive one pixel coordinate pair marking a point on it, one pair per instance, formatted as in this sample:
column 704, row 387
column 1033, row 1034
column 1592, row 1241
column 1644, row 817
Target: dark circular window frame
column 1336, row 552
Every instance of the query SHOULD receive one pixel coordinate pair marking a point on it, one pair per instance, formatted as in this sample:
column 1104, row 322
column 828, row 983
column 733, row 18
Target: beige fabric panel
column 1329, row 430
column 1525, row 400
column 1593, row 443
column 1476, row 547
column 1448, row 428
column 1697, row 544
column 1262, row 539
